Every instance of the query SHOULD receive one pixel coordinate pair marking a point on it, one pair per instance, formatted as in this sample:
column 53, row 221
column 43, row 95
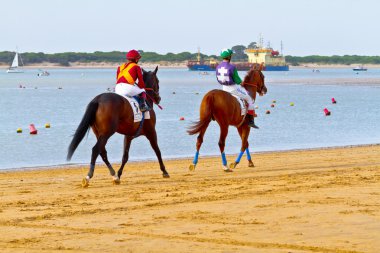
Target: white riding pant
column 241, row 92
column 128, row 90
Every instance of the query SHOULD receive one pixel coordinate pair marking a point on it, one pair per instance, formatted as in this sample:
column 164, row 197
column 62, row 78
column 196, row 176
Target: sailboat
column 14, row 68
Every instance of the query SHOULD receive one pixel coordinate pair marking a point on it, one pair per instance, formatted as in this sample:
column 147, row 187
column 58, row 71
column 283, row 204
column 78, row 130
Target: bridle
column 155, row 92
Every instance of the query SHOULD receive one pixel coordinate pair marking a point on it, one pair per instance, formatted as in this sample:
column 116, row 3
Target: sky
column 306, row 27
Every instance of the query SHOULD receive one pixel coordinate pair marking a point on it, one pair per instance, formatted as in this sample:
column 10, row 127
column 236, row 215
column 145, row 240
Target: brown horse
column 224, row 108
column 110, row 113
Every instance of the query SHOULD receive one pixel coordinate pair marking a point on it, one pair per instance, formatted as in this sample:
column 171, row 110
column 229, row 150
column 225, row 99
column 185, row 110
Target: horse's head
column 152, row 86
column 254, row 81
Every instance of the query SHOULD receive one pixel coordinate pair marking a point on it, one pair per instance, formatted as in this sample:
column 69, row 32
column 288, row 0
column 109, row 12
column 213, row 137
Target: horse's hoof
column 165, row 175
column 192, row 167
column 233, row 165
column 116, row 181
column 250, row 164
column 226, row 169
column 85, row 182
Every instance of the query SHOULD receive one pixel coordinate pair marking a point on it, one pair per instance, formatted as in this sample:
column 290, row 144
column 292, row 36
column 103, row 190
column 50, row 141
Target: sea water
column 61, row 99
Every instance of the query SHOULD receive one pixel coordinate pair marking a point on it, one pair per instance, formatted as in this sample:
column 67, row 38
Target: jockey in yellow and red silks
column 126, row 77
column 228, row 77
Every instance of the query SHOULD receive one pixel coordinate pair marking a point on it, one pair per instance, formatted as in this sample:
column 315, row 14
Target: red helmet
column 133, row 55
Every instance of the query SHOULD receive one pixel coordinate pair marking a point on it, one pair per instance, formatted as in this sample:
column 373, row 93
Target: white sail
column 14, row 68
column 15, row 61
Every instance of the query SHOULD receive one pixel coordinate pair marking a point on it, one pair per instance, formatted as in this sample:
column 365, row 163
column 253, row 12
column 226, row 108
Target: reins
column 150, row 97
column 250, row 84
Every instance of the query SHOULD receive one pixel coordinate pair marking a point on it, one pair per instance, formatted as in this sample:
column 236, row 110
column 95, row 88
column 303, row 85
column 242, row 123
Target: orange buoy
column 182, row 118
column 272, row 105
column 32, row 129
column 267, row 112
column 327, row 112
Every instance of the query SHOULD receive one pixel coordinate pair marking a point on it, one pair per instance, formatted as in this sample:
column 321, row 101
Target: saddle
column 243, row 104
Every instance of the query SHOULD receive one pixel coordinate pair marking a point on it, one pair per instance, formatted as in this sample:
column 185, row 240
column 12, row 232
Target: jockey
column 126, row 76
column 228, row 77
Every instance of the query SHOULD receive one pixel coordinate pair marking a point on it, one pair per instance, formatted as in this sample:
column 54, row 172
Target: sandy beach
column 324, row 200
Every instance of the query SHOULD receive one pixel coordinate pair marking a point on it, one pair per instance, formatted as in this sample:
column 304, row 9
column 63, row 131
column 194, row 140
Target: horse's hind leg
column 198, row 146
column 127, row 145
column 244, row 133
column 152, row 137
column 94, row 155
column 99, row 148
column 222, row 143
column 103, row 154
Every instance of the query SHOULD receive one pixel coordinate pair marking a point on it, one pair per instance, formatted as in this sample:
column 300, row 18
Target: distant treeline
column 65, row 59
column 335, row 59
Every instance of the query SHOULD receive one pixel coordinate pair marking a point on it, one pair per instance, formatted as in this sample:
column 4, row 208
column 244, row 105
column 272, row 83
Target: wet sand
column 324, row 200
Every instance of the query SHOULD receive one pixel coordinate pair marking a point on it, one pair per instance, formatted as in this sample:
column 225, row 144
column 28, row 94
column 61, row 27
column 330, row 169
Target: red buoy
column 267, row 112
column 333, row 100
column 182, row 118
column 327, row 112
column 32, row 129
column 272, row 105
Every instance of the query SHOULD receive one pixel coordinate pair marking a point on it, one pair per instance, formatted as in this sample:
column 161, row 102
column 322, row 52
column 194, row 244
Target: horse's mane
column 250, row 72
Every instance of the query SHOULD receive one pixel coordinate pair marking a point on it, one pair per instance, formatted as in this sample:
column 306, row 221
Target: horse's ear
column 155, row 70
column 261, row 66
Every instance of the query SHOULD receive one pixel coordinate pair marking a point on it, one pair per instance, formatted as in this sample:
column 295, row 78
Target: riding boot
column 142, row 103
column 251, row 121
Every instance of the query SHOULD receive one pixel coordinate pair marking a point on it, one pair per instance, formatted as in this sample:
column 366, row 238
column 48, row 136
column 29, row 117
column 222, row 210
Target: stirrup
column 144, row 108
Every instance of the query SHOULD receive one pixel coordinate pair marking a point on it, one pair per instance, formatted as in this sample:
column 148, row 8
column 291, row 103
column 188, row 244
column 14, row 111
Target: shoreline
column 178, row 159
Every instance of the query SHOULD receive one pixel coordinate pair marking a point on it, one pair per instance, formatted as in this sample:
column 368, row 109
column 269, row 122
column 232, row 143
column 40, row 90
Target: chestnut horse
column 110, row 113
column 225, row 109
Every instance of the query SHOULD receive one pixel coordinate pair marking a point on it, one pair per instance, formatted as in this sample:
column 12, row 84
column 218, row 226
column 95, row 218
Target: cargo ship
column 201, row 65
column 273, row 60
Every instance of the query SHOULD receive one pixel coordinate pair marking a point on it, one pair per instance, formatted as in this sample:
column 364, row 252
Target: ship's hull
column 276, row 68
column 240, row 67
column 201, row 67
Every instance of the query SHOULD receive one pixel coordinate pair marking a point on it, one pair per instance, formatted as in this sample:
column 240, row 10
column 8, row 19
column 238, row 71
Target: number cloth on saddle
column 137, row 114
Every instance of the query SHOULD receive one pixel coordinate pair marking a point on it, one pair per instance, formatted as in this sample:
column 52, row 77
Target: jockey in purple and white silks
column 228, row 77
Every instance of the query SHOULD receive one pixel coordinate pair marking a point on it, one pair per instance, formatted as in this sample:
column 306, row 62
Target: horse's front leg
column 250, row 163
column 152, row 137
column 127, row 145
column 244, row 133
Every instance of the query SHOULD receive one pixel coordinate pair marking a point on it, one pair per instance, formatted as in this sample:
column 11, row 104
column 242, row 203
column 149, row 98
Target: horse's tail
column 84, row 126
column 205, row 115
